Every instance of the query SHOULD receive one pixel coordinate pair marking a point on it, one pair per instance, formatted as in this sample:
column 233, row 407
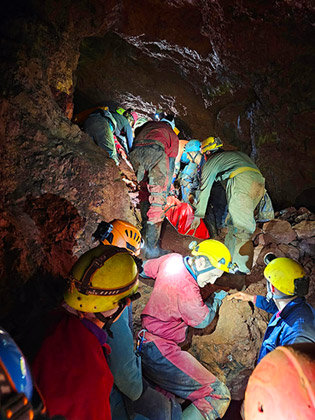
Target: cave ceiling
column 242, row 70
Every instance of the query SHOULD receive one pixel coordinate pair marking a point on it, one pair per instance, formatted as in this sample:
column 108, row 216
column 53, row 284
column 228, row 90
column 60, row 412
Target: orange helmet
column 119, row 233
column 282, row 386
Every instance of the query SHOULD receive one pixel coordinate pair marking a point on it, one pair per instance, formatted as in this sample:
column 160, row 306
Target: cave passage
column 240, row 71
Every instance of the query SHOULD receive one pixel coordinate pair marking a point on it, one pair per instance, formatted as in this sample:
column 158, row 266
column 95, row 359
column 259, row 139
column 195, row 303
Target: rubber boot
column 248, row 250
column 144, row 207
column 152, row 248
column 192, row 413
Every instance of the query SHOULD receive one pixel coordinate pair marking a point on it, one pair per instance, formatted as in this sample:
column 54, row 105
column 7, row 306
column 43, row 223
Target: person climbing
column 125, row 119
column 70, row 367
column 19, row 397
column 293, row 319
column 282, row 386
column 175, row 303
column 244, row 186
column 153, row 158
column 188, row 177
column 178, row 159
column 100, row 125
column 131, row 396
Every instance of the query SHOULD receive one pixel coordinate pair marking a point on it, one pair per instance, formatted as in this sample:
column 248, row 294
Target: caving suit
column 175, row 303
column 131, row 397
column 123, row 131
column 295, row 323
column 189, row 181
column 153, row 148
column 99, row 126
column 244, row 187
column 71, row 370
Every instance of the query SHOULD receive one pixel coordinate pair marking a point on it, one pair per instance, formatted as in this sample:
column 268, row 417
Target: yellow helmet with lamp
column 216, row 252
column 101, row 279
column 211, row 144
column 286, row 275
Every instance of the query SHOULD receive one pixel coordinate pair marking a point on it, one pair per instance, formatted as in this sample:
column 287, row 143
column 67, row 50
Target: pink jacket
column 175, row 302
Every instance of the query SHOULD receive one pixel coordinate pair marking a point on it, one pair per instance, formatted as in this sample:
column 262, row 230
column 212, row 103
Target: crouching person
column 70, row 367
column 175, row 304
column 131, row 396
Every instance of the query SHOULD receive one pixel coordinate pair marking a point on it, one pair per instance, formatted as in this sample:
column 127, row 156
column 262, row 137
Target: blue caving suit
column 294, row 324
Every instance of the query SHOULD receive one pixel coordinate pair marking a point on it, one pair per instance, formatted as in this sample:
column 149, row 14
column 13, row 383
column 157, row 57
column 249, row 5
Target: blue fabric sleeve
column 262, row 303
column 213, row 305
column 129, row 135
column 124, row 364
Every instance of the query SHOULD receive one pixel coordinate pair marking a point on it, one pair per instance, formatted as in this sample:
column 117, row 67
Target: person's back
column 161, row 132
column 100, row 125
column 227, row 161
column 71, row 370
column 123, row 131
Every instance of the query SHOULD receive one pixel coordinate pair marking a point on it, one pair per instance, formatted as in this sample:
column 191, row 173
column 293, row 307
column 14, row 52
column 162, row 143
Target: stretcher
column 180, row 215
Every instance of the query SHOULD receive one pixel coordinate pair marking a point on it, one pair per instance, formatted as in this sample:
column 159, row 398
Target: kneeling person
column 175, row 304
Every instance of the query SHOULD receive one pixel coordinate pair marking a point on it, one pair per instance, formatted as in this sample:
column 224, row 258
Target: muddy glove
column 220, row 295
column 195, row 223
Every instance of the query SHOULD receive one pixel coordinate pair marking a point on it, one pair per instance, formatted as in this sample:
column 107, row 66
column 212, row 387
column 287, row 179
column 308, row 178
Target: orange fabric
column 181, row 215
column 82, row 116
column 282, row 387
column 181, row 146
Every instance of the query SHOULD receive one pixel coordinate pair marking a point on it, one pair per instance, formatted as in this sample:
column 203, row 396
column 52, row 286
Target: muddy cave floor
column 172, row 240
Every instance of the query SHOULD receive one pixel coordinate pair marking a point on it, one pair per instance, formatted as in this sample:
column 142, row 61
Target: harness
column 243, row 169
column 84, row 285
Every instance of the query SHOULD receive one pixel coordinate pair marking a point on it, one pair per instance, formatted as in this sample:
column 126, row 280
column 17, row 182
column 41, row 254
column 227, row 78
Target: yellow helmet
column 216, row 252
column 101, row 278
column 120, row 110
column 287, row 276
column 120, row 233
column 210, row 144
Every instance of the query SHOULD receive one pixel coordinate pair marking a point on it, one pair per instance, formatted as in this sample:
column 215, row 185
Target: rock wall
column 241, row 70
column 229, row 347
column 56, row 184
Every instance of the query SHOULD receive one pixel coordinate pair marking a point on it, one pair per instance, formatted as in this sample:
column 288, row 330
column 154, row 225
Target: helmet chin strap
column 108, row 321
column 271, row 295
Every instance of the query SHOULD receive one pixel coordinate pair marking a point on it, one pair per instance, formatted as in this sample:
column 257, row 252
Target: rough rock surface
column 229, row 346
column 241, row 70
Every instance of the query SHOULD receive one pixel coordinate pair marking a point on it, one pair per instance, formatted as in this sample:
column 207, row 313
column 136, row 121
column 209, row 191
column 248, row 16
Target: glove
column 220, row 295
column 195, row 223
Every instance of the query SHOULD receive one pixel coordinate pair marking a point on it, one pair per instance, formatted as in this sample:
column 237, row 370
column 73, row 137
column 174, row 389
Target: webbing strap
column 83, row 286
column 149, row 142
column 243, row 169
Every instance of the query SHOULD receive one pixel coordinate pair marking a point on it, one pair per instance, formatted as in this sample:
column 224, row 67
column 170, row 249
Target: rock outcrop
column 230, row 347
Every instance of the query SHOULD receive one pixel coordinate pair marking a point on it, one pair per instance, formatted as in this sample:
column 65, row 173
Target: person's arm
column 195, row 312
column 260, row 301
column 129, row 135
column 124, row 364
column 208, row 176
column 213, row 304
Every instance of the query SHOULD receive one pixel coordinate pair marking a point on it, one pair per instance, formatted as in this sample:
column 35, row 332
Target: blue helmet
column 14, row 365
column 170, row 119
column 191, row 146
